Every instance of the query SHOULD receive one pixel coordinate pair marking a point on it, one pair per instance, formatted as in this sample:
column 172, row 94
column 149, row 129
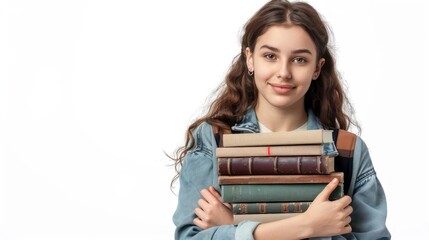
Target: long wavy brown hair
column 238, row 93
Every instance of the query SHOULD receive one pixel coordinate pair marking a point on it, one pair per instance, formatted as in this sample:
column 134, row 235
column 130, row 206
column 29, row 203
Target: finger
column 208, row 196
column 215, row 193
column 348, row 220
column 200, row 213
column 347, row 229
column 326, row 192
column 219, row 197
column 199, row 223
column 203, row 204
column 348, row 210
column 344, row 201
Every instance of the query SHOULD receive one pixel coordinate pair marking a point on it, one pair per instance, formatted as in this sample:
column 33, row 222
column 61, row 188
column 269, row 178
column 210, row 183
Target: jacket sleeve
column 368, row 198
column 198, row 172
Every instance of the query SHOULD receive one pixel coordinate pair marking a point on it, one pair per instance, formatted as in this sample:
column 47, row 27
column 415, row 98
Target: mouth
column 281, row 88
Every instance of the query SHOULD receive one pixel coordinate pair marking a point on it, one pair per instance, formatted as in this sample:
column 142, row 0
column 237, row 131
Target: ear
column 249, row 60
column 318, row 68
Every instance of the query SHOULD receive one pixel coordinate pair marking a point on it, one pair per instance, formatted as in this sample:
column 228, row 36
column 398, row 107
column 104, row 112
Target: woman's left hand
column 212, row 211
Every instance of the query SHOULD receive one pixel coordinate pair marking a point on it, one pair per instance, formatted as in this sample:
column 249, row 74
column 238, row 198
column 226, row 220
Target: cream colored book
column 292, row 150
column 317, row 136
column 263, row 218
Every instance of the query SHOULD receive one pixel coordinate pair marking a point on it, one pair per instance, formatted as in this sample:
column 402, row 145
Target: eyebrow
column 304, row 50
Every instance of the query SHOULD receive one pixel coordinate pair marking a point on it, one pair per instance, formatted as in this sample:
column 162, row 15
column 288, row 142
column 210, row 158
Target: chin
column 283, row 104
column 280, row 105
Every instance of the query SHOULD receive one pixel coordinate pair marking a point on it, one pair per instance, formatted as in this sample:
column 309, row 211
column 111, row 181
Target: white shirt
column 264, row 129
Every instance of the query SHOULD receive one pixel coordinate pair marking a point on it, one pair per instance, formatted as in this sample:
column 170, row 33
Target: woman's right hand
column 322, row 219
column 329, row 218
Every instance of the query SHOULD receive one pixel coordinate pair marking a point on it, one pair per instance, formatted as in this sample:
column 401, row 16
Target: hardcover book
column 280, row 179
column 286, row 150
column 275, row 165
column 318, row 136
column 297, row 192
column 270, row 207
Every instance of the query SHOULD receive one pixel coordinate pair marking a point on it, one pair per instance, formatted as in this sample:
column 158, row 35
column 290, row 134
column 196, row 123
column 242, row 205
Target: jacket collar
column 249, row 124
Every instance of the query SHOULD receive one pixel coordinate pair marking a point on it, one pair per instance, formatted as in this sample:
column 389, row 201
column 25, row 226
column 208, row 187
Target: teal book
column 270, row 207
column 242, row 193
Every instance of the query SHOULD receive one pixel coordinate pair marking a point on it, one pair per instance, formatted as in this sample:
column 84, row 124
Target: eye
column 299, row 60
column 270, row 56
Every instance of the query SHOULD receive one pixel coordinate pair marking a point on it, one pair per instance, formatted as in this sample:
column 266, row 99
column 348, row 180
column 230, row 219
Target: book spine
column 294, row 150
column 302, row 192
column 278, row 138
column 275, row 165
column 270, row 207
column 280, row 179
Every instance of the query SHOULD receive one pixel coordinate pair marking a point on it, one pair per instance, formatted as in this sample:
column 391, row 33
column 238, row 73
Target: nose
column 284, row 71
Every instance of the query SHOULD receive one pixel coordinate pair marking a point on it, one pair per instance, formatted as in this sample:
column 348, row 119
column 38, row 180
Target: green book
column 241, row 193
column 269, row 207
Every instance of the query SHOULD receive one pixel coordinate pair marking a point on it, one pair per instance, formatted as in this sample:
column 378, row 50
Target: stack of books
column 271, row 176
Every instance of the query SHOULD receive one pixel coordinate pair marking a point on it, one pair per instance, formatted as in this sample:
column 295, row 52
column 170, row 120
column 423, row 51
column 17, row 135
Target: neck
column 281, row 120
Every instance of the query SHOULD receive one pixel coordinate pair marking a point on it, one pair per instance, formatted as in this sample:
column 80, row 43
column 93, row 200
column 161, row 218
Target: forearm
column 291, row 228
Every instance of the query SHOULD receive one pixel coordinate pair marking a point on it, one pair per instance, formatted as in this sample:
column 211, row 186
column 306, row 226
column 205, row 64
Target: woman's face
column 284, row 63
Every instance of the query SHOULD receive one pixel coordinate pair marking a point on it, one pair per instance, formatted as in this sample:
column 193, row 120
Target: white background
column 93, row 92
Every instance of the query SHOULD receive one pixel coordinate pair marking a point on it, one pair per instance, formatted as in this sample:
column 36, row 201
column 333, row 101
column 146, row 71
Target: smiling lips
column 281, row 88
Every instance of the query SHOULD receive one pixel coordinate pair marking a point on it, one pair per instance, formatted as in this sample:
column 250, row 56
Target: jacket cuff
column 245, row 230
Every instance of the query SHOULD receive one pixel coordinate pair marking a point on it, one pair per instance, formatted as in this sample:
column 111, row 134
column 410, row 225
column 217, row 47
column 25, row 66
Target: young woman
column 284, row 79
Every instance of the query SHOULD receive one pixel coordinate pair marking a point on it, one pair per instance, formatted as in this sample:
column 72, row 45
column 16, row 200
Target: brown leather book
column 266, row 165
column 280, row 179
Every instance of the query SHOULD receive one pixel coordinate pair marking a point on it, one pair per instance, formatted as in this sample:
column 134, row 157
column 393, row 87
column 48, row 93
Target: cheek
column 264, row 73
column 261, row 78
column 259, row 82
column 304, row 76
column 264, row 69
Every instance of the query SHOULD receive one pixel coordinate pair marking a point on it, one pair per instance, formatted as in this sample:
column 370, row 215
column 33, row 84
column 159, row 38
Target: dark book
column 299, row 192
column 270, row 207
column 268, row 165
column 279, row 179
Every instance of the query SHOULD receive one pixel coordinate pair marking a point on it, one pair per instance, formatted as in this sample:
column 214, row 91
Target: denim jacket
column 200, row 171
